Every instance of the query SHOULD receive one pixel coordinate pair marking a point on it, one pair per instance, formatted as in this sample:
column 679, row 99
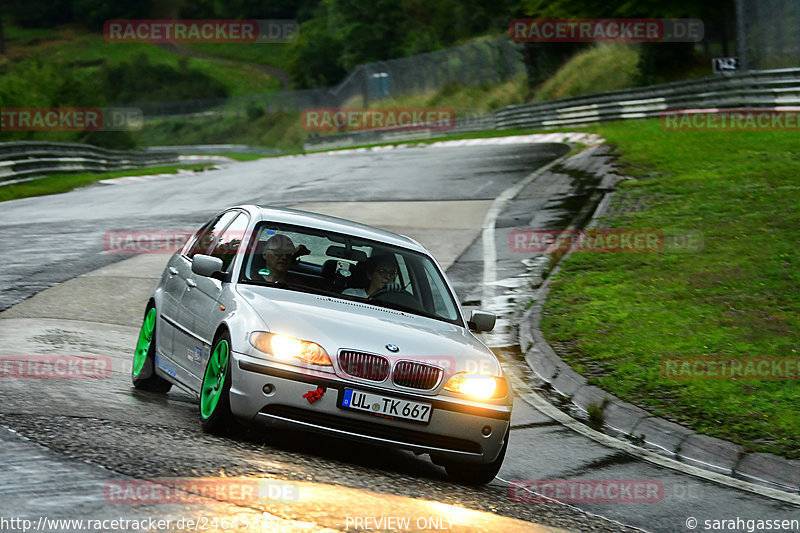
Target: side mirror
column 481, row 320
column 205, row 265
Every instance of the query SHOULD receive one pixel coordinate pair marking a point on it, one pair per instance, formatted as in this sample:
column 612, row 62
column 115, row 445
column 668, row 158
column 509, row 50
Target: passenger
column 280, row 254
column 380, row 272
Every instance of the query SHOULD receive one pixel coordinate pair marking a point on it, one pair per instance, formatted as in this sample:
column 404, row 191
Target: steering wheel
column 395, row 295
column 386, row 289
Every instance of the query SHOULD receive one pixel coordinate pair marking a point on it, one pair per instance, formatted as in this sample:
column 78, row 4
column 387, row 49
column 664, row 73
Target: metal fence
column 26, row 159
column 768, row 33
column 489, row 61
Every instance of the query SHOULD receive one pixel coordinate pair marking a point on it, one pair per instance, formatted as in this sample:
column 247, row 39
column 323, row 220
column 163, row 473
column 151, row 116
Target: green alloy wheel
column 143, row 372
column 215, row 406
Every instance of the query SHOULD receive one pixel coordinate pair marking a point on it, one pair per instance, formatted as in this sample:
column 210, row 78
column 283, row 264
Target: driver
column 380, row 272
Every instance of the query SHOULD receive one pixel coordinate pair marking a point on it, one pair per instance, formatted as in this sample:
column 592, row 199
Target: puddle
column 576, row 207
column 513, row 295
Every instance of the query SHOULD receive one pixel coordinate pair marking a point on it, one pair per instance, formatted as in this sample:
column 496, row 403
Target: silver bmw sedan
column 299, row 320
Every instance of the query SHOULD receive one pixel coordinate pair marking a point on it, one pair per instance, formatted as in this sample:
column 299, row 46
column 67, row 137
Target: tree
column 39, row 13
column 313, row 60
column 2, row 33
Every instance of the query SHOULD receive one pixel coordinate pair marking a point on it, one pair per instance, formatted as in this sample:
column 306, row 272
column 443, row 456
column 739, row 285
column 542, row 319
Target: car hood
column 337, row 324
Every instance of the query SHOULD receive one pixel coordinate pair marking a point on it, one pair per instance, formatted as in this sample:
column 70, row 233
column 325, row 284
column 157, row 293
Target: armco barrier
column 462, row 125
column 764, row 89
column 28, row 159
column 767, row 89
column 216, row 149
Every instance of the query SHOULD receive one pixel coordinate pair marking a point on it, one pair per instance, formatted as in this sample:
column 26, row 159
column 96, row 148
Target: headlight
column 477, row 386
column 287, row 348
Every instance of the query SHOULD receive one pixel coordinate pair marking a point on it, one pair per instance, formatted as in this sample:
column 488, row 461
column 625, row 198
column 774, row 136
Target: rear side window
column 228, row 243
column 205, row 239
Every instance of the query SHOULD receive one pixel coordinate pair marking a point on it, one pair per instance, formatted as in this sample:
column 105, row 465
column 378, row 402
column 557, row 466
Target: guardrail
column 216, row 149
column 764, row 89
column 28, row 159
column 355, row 138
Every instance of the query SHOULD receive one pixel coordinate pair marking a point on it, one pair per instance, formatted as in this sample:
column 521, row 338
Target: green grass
column 604, row 67
column 466, row 100
column 280, row 130
column 614, row 317
column 59, row 183
column 90, row 50
column 271, row 54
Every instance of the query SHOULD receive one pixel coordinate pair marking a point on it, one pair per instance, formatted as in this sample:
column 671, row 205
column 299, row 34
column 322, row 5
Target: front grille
column 364, row 365
column 416, row 375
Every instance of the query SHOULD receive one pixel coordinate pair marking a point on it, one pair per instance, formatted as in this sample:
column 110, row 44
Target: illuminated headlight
column 477, row 386
column 288, row 348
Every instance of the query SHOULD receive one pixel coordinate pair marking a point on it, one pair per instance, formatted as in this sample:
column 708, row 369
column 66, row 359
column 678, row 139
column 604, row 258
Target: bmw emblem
column 392, row 348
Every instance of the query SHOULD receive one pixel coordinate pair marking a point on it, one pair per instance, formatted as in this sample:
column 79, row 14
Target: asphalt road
column 101, row 432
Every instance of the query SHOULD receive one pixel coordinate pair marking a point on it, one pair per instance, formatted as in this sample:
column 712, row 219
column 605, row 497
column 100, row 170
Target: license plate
column 386, row 406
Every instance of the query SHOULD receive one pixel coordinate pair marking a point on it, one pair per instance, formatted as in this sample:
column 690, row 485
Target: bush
column 113, row 140
column 142, row 81
column 254, row 111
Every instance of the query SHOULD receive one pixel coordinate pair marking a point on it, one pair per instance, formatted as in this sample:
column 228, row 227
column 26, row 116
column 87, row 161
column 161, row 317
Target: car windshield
column 343, row 266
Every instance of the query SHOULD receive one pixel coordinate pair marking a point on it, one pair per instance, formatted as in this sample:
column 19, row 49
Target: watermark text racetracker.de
column 55, row 366
column 614, row 240
column 533, row 30
column 200, row 31
column 718, row 367
column 731, row 119
column 199, row 490
column 145, row 242
column 324, row 119
column 586, row 490
column 70, row 118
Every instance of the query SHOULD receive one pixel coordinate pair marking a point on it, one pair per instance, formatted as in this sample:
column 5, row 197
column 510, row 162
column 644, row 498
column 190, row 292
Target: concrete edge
column 635, row 424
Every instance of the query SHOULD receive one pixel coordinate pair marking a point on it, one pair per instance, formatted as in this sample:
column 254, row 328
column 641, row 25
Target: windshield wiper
column 408, row 309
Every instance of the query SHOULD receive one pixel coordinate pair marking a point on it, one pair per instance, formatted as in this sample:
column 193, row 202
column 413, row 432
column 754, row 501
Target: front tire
column 215, row 402
column 143, row 372
column 472, row 474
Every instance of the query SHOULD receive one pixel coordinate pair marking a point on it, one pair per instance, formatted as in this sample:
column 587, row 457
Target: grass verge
column 84, row 50
column 604, row 67
column 614, row 317
column 58, row 183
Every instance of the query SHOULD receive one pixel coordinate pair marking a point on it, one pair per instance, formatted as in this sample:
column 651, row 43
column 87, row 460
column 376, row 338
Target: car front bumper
column 456, row 430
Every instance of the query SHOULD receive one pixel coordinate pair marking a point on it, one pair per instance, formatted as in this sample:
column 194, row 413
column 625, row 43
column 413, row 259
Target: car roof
column 333, row 224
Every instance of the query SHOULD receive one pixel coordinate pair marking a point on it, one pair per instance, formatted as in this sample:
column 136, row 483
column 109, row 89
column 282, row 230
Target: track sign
column 725, row 64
